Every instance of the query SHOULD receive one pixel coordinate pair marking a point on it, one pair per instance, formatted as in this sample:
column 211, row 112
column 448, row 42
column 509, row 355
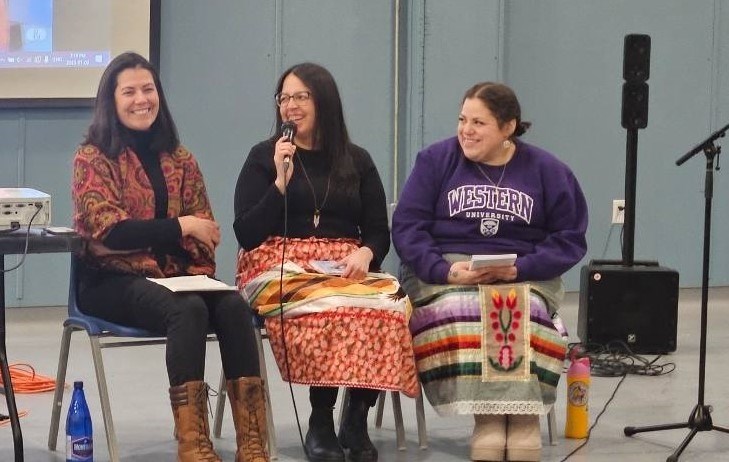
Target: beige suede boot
column 523, row 438
column 488, row 442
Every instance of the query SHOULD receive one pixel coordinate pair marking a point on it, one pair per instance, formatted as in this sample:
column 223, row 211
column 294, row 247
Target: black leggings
column 326, row 397
column 185, row 318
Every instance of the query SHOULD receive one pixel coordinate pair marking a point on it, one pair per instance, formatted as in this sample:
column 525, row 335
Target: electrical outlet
column 618, row 211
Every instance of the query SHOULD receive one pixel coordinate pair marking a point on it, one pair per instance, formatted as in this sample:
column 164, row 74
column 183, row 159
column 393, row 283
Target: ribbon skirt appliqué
column 505, row 336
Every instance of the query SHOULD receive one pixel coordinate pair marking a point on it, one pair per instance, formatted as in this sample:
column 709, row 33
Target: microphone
column 288, row 129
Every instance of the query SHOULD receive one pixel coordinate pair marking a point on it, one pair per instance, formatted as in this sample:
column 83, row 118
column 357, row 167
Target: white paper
column 198, row 283
column 326, row 267
column 481, row 261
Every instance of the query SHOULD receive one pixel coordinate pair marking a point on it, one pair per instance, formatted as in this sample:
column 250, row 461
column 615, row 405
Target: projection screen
column 53, row 52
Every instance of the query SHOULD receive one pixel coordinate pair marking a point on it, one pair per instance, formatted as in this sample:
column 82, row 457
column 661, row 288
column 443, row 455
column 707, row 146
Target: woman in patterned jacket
column 142, row 208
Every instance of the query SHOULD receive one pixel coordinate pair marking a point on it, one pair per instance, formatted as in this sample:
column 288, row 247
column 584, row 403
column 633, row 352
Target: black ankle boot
column 321, row 441
column 353, row 433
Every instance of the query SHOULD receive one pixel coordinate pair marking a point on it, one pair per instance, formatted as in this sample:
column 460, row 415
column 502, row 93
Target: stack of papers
column 481, row 261
column 199, row 283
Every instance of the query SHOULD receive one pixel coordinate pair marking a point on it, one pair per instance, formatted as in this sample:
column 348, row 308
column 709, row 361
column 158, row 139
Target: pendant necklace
column 317, row 207
column 509, row 155
column 497, row 184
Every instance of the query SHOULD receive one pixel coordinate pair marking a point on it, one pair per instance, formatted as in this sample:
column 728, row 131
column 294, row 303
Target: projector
column 18, row 206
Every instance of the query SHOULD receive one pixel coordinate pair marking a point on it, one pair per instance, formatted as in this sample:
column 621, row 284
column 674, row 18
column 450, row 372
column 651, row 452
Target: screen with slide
column 53, row 52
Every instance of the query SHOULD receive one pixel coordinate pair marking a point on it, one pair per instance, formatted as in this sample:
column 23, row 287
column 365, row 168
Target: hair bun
column 521, row 128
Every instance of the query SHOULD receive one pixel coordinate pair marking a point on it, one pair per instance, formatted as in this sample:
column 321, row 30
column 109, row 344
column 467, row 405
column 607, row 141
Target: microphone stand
column 700, row 418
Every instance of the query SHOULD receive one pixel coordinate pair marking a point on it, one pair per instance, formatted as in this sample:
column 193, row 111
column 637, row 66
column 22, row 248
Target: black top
column 355, row 206
column 161, row 234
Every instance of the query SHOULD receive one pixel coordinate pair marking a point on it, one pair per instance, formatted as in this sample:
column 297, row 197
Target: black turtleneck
column 162, row 234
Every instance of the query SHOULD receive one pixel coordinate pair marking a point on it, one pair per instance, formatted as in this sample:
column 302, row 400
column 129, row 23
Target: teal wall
column 402, row 73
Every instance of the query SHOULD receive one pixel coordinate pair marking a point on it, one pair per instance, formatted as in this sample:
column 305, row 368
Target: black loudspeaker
column 636, row 58
column 636, row 70
column 635, row 105
column 637, row 305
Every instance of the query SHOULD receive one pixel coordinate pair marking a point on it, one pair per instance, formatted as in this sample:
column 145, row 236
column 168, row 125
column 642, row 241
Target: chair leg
column 343, row 406
column 58, row 394
column 420, row 417
column 399, row 426
column 220, row 406
column 104, row 398
column 272, row 449
column 551, row 425
column 380, row 409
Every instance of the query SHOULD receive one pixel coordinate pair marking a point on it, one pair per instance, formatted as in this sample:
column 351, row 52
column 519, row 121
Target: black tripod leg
column 699, row 421
column 721, row 429
column 674, row 457
column 629, row 431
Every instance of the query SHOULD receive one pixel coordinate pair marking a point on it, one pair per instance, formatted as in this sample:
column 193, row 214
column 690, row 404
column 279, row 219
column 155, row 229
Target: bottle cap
column 580, row 366
column 78, row 384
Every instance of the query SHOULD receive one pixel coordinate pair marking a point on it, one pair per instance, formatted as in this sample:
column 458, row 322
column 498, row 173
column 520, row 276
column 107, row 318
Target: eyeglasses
column 300, row 97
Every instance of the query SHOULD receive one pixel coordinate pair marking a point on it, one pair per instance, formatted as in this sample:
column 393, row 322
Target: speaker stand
column 700, row 418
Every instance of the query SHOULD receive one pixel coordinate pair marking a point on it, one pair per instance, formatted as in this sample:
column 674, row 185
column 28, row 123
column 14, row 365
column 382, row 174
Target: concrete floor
column 142, row 416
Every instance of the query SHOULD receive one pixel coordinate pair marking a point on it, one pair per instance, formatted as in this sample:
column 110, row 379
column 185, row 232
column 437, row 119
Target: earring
column 506, row 144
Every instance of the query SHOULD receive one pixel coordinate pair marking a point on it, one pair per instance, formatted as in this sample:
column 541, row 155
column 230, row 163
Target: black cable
column 39, row 207
column 281, row 310
column 615, row 359
column 607, row 241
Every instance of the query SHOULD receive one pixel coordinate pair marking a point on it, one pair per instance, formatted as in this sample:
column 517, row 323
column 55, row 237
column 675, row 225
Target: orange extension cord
column 25, row 380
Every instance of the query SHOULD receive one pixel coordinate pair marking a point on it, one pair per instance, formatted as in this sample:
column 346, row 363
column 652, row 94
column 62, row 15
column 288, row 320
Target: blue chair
column 259, row 329
column 102, row 334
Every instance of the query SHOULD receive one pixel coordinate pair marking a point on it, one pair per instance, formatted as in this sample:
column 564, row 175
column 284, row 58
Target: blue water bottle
column 79, row 435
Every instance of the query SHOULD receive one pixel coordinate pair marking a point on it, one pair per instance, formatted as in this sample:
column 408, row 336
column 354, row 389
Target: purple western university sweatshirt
column 534, row 208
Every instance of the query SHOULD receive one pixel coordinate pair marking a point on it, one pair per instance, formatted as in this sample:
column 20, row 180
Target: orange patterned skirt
column 336, row 331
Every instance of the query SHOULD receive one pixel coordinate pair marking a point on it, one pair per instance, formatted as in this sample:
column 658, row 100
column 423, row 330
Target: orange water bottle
column 578, row 390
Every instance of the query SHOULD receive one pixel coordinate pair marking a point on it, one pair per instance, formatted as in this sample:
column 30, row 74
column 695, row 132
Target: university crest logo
column 489, row 226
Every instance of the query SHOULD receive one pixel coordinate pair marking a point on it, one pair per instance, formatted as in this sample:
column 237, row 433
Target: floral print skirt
column 336, row 331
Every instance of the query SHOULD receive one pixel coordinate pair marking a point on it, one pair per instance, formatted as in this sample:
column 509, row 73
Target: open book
column 481, row 261
column 199, row 283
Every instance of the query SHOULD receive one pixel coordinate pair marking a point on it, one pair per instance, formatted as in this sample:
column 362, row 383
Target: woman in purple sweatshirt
column 485, row 192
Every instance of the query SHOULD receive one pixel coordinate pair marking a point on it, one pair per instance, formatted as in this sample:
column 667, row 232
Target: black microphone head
column 288, row 129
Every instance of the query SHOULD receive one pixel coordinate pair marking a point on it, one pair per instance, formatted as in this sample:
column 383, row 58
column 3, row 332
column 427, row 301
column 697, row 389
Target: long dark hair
column 502, row 102
column 107, row 133
column 331, row 132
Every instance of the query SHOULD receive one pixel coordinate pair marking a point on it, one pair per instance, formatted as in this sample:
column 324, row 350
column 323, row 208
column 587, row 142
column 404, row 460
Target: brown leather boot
column 249, row 416
column 190, row 409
